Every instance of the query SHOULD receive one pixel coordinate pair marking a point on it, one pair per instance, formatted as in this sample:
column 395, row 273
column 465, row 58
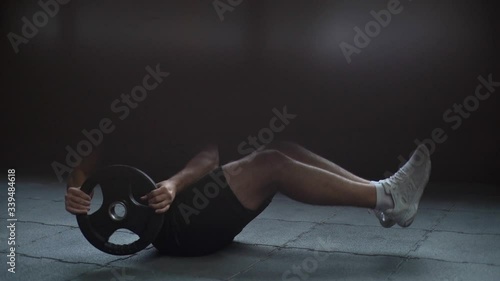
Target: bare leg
column 301, row 154
column 258, row 177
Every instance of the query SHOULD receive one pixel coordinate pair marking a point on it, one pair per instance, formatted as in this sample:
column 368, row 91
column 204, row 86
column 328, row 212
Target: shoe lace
column 397, row 179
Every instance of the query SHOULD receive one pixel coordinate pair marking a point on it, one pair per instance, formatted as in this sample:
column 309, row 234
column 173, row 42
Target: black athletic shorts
column 203, row 218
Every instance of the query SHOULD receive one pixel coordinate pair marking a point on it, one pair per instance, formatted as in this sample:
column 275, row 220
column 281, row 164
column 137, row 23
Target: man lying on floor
column 248, row 185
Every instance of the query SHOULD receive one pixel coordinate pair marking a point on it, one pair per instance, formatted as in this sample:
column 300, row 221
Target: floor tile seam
column 59, row 260
column 44, row 237
column 248, row 268
column 271, row 253
column 47, row 224
column 419, row 242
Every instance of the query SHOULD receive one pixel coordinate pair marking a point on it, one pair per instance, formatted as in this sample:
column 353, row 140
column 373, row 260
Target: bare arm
column 204, row 162
column 77, row 201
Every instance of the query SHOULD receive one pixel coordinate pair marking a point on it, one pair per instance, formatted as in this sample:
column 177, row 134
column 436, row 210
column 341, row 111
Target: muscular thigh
column 251, row 179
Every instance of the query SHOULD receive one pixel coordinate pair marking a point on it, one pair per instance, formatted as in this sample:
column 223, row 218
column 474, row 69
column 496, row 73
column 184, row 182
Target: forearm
column 76, row 178
column 203, row 163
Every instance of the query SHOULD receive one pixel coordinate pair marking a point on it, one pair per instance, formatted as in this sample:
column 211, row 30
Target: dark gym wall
column 232, row 73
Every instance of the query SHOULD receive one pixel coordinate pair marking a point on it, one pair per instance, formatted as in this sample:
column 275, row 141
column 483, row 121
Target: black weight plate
column 123, row 185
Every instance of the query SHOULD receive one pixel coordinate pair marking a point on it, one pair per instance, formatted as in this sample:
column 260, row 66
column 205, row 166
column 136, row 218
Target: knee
column 272, row 157
column 272, row 164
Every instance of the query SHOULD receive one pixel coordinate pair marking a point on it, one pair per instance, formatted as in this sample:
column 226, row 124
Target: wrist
column 177, row 181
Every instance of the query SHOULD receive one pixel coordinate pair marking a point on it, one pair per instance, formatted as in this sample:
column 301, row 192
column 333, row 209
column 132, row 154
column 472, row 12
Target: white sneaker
column 406, row 187
column 383, row 219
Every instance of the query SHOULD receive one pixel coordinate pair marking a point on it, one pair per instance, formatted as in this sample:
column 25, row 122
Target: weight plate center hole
column 118, row 211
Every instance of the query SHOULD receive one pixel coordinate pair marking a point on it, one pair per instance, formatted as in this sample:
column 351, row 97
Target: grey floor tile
column 359, row 239
column 478, row 203
column 221, row 265
column 368, row 246
column 39, row 269
column 459, row 247
column 471, row 222
column 3, row 210
column 133, row 274
column 26, row 233
column 271, row 232
column 426, row 218
column 281, row 196
column 44, row 211
column 44, row 191
column 295, row 211
column 422, row 269
column 294, row 264
column 68, row 246
column 353, row 216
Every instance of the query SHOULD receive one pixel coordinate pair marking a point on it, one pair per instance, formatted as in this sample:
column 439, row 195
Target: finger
column 158, row 199
column 84, row 195
column 78, row 206
column 81, row 201
column 73, row 209
column 148, row 196
column 163, row 210
column 76, row 211
column 79, row 193
column 159, row 205
column 156, row 192
column 78, row 200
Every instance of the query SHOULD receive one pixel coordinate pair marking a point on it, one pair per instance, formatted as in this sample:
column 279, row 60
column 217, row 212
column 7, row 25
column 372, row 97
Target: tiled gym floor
column 456, row 236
